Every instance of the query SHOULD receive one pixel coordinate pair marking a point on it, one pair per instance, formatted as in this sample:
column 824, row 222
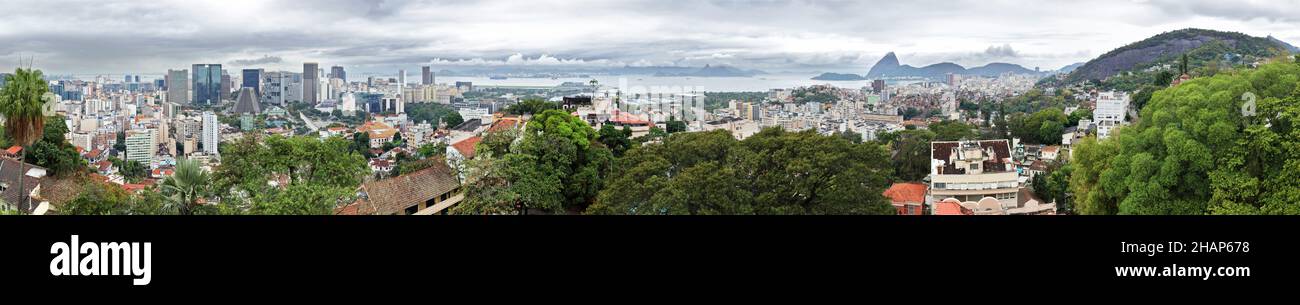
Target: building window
column 412, row 209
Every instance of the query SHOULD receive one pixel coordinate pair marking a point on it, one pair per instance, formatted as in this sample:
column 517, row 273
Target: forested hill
column 1166, row 48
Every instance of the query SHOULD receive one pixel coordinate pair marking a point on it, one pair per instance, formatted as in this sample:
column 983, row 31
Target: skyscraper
column 206, row 82
column 227, row 85
column 310, row 82
column 178, row 86
column 426, row 76
column 337, row 72
column 401, row 78
column 252, row 78
column 211, row 133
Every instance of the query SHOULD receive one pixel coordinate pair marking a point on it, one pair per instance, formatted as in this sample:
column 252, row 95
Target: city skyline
column 104, row 37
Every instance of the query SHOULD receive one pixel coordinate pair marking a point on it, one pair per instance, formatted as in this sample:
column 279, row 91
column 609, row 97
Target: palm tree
column 21, row 103
column 184, row 188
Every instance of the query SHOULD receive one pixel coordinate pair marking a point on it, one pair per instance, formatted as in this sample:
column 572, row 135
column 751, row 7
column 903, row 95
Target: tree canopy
column 1196, row 151
column 556, row 167
column 772, row 172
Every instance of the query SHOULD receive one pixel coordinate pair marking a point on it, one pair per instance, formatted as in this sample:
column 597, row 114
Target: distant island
column 839, row 77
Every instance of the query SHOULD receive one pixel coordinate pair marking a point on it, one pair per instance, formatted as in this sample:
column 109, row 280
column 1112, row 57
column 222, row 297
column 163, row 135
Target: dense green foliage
column 719, row 100
column 531, row 106
column 911, row 158
column 557, row 167
column 772, row 172
column 133, row 171
column 433, row 113
column 319, row 174
column 107, row 199
column 53, row 152
column 617, row 140
column 1043, row 127
column 1194, row 152
column 949, row 130
column 813, row 95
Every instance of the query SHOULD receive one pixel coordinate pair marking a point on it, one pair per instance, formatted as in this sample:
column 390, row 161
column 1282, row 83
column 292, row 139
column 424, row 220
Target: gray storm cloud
column 112, row 36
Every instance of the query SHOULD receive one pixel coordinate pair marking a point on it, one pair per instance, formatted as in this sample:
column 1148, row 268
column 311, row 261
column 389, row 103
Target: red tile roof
column 504, row 123
column 628, row 118
column 951, row 207
column 14, row 150
column 909, row 192
column 466, row 146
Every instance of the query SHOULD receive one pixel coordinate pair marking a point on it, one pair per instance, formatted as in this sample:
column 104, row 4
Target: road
column 311, row 125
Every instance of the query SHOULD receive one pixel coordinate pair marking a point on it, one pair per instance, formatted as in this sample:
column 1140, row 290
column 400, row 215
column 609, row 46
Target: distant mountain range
column 1167, row 48
column 706, row 71
column 890, row 67
column 1070, row 68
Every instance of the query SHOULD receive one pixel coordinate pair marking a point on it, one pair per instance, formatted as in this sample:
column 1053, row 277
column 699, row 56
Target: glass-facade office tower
column 206, row 80
column 252, row 78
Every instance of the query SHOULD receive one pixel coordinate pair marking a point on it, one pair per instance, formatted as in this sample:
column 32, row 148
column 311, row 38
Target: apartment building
column 970, row 171
column 1111, row 112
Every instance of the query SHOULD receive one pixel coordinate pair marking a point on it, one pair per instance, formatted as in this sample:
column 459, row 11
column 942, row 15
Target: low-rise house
column 1029, row 204
column 459, row 152
column 1049, row 153
column 425, row 192
column 381, row 165
column 20, row 187
column 11, row 152
column 907, row 198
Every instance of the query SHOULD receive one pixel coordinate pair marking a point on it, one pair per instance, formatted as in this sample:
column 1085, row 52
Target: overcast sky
column 150, row 36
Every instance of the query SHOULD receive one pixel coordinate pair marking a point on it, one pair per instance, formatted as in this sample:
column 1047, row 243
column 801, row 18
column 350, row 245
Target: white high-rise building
column 1111, row 112
column 211, row 133
column 401, row 78
column 140, row 146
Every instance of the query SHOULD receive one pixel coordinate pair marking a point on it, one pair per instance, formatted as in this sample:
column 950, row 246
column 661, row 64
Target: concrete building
column 211, row 133
column 970, row 171
column 1111, row 112
column 178, row 86
column 311, row 83
column 426, row 75
column 188, row 127
column 247, row 103
column 141, row 146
